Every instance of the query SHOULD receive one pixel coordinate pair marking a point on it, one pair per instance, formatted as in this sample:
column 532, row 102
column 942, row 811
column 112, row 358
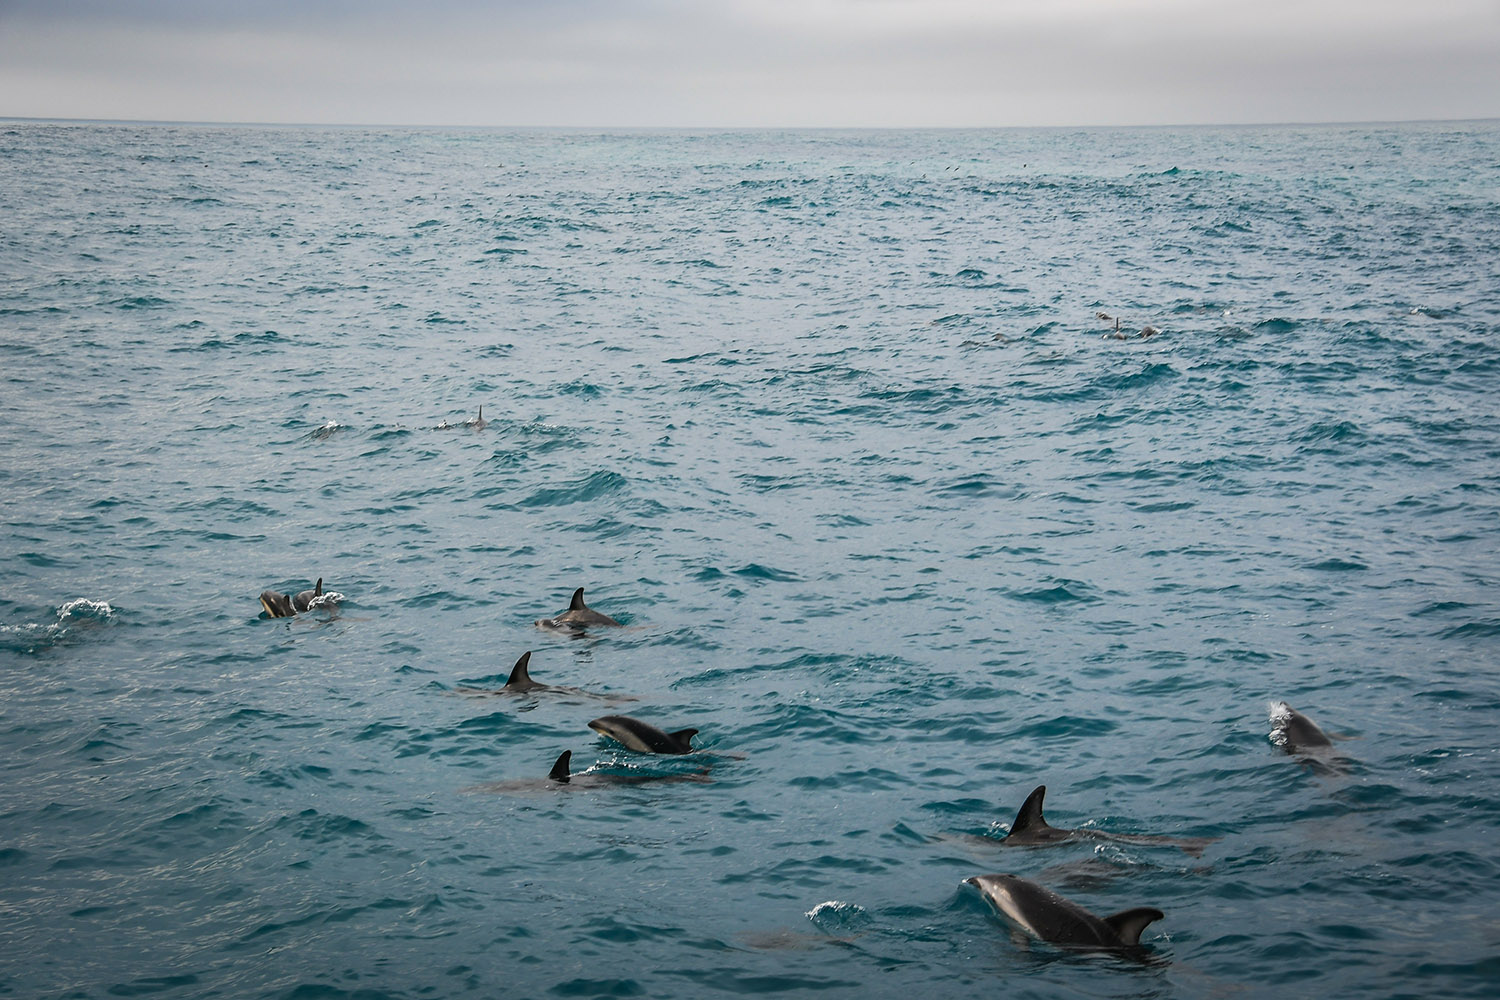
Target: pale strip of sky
column 752, row 62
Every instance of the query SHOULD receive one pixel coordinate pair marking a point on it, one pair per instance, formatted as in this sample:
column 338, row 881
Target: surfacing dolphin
column 578, row 617
column 562, row 776
column 1031, row 829
column 520, row 683
column 1295, row 731
column 1044, row 914
column 477, row 424
column 641, row 736
column 285, row 605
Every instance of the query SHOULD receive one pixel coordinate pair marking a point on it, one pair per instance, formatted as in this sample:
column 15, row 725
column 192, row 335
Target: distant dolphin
column 478, row 423
column 285, row 605
column 562, row 775
column 1044, row 914
column 1031, row 828
column 578, row 617
column 1297, row 731
column 641, row 736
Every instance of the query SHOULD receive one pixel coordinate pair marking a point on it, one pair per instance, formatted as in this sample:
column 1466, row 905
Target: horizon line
column 208, row 123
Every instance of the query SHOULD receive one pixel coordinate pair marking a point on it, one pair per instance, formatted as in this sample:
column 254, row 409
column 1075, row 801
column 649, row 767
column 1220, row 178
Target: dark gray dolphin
column 1044, row 914
column 643, row 737
column 1031, row 828
column 520, row 678
column 562, row 775
column 285, row 605
column 521, row 683
column 578, row 617
column 1295, row 731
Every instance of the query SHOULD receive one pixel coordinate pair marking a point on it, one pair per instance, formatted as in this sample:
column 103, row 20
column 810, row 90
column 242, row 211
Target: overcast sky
column 751, row 62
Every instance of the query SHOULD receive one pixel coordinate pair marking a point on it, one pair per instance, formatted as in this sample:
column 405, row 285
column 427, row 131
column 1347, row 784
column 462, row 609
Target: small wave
column 835, row 916
column 27, row 637
column 592, row 487
column 329, row 599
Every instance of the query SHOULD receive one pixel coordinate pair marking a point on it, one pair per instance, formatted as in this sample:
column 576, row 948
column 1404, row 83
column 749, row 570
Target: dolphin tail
column 519, row 674
column 576, row 604
column 1128, row 924
column 1030, row 816
column 560, row 772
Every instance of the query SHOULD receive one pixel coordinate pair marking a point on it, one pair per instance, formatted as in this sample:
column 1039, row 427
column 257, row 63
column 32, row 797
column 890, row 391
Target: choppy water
column 828, row 421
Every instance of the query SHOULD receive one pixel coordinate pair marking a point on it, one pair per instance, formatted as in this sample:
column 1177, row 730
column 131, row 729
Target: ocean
column 831, row 422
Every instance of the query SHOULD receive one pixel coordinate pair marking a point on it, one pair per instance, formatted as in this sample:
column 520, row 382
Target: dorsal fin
column 577, row 603
column 1030, row 816
column 684, row 736
column 481, row 412
column 560, row 771
column 318, row 589
column 519, row 674
column 1128, row 924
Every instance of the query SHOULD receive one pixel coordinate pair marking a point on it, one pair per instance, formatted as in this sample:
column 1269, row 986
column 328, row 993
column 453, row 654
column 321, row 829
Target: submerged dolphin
column 578, row 617
column 1295, row 730
column 520, row 683
column 1031, row 828
column 562, row 774
column 641, row 736
column 285, row 605
column 1044, row 914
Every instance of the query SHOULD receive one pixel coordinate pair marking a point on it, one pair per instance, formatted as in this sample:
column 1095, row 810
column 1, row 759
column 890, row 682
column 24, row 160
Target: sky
column 751, row 63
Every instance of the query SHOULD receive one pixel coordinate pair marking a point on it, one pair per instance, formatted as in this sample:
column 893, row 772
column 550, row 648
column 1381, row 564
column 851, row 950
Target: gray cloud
column 769, row 62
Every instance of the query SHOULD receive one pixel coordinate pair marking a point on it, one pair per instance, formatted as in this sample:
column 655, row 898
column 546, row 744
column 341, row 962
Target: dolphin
column 520, row 678
column 476, row 424
column 562, row 775
column 641, row 736
column 1295, row 730
column 1030, row 829
column 285, row 605
column 1044, row 914
column 520, row 683
column 578, row 617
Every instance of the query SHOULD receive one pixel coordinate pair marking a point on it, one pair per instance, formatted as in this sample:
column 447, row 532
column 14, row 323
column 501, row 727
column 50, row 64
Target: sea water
column 830, row 422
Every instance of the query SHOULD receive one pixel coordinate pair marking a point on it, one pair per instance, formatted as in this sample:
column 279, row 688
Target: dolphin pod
column 1028, row 905
column 1044, row 914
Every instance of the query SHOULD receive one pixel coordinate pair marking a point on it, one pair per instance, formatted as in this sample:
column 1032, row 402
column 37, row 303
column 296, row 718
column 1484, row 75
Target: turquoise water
column 828, row 421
